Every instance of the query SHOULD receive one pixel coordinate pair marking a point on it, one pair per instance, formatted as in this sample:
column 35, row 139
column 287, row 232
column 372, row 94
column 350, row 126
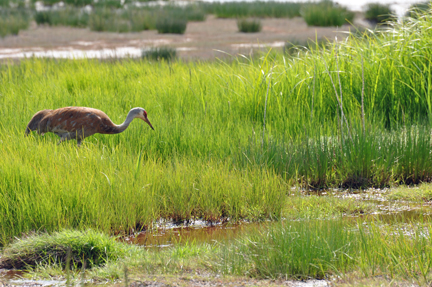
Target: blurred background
column 202, row 30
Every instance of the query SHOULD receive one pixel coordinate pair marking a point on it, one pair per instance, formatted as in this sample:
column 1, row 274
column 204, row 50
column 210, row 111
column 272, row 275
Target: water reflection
column 164, row 237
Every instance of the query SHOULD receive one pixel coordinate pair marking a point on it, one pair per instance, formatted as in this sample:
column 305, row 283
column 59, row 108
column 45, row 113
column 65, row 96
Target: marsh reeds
column 13, row 20
column 166, row 23
column 170, row 18
column 253, row 9
column 249, row 25
column 326, row 13
column 69, row 16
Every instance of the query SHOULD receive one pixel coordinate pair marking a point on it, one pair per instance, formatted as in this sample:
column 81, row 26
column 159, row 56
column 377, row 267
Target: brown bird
column 80, row 122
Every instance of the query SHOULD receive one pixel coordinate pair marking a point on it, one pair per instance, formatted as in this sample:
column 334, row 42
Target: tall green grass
column 379, row 159
column 121, row 190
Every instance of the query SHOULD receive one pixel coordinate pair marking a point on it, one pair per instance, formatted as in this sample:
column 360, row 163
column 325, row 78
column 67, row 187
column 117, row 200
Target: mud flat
column 213, row 38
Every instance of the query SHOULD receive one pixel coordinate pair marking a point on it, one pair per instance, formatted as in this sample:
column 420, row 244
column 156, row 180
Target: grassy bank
column 76, row 249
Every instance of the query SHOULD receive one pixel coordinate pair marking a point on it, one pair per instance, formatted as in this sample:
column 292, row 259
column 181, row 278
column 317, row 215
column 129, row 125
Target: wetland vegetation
column 275, row 137
column 128, row 16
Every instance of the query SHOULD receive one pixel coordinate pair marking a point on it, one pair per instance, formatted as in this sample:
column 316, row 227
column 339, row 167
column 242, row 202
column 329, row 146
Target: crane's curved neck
column 125, row 124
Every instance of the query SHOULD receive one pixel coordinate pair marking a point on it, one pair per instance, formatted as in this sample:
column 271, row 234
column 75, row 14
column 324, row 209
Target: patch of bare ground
column 202, row 40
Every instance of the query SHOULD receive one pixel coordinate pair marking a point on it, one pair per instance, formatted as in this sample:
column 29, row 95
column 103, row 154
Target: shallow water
column 390, row 213
column 165, row 237
column 119, row 52
column 10, row 274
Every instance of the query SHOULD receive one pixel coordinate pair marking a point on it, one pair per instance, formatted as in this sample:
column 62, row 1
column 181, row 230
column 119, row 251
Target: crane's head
column 142, row 114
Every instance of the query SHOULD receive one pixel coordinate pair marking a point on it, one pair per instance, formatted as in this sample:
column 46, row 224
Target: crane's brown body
column 79, row 122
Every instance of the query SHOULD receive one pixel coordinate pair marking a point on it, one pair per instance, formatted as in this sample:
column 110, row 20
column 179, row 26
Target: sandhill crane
column 80, row 122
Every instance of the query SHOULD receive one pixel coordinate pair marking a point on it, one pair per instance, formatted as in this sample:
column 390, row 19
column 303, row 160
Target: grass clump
column 69, row 16
column 121, row 21
column 12, row 21
column 326, row 13
column 195, row 13
column 79, row 247
column 316, row 249
column 168, row 19
column 168, row 24
column 105, row 19
column 300, row 250
column 140, row 20
column 419, row 193
column 379, row 13
column 249, row 25
column 160, row 53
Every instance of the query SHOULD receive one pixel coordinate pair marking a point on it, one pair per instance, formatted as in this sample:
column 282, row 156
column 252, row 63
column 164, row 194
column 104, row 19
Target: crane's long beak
column 147, row 121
